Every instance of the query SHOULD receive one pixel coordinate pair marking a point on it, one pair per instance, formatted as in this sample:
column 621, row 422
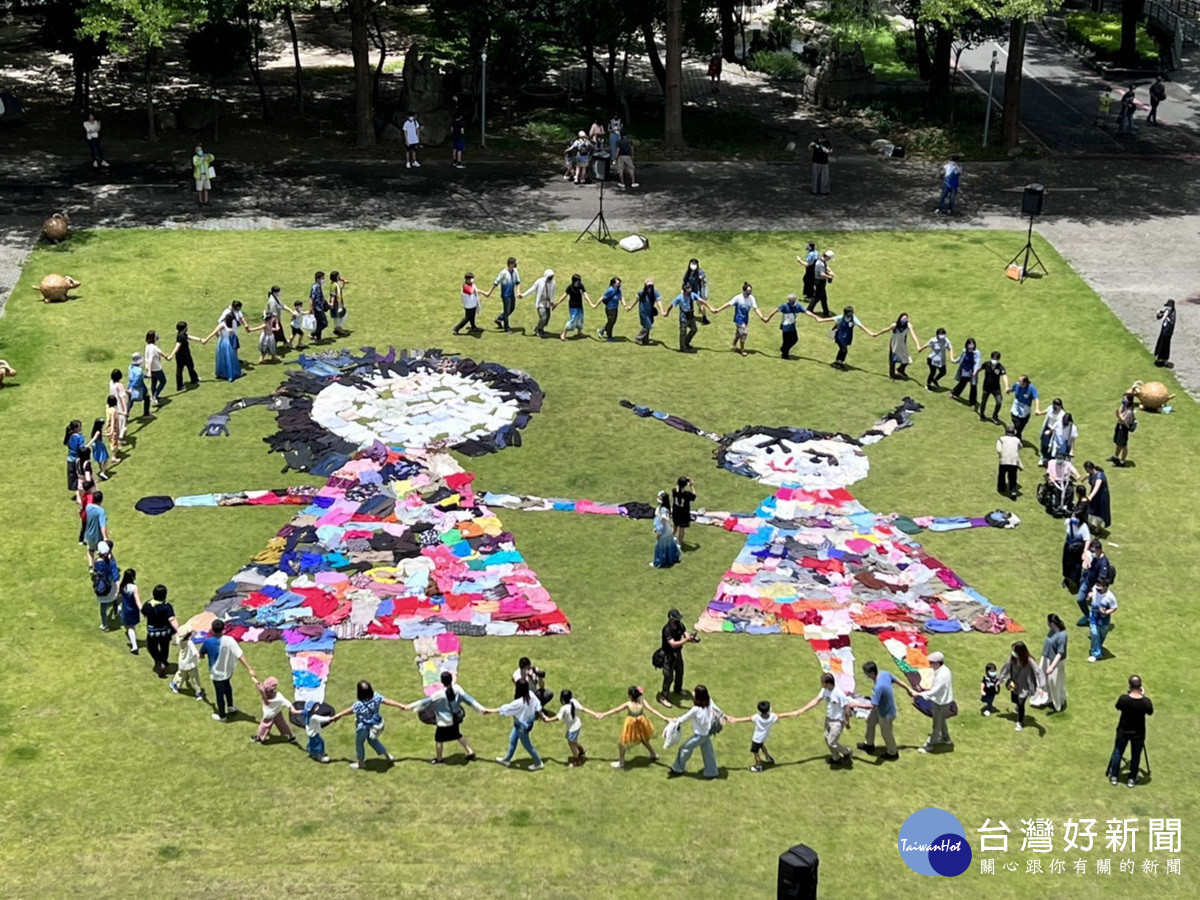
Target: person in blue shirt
column 649, row 305
column 951, row 172
column 74, row 441
column 743, row 304
column 1025, row 404
column 509, row 280
column 612, row 300
column 843, row 333
column 138, row 389
column 318, row 307
column 789, row 310
column 883, row 711
column 687, row 302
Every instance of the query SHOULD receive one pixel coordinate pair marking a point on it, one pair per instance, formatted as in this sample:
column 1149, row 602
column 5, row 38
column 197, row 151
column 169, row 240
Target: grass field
column 112, row 786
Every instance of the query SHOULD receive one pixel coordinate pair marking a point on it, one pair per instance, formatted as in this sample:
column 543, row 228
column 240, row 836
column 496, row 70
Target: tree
column 938, row 26
column 60, row 31
column 138, row 26
column 1131, row 16
column 673, row 115
column 361, row 12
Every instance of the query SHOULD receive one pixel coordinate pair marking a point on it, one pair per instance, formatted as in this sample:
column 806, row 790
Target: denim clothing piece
column 362, row 736
column 520, row 732
column 1098, row 630
column 316, row 746
column 1135, row 757
column 224, row 695
column 704, row 742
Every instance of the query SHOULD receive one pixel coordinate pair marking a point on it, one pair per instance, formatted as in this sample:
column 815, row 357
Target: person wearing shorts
column 625, row 162
column 412, row 138
column 202, row 172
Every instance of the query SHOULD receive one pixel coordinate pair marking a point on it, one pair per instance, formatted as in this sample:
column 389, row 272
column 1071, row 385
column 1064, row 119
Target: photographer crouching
column 674, row 636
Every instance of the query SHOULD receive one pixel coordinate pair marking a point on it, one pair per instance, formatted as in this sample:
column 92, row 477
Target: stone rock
column 422, row 83
column 391, row 134
column 56, row 228
column 166, row 121
column 435, row 127
column 195, row 114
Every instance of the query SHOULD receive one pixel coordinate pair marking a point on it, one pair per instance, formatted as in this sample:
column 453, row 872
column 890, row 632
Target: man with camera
column 674, row 636
column 821, row 151
column 533, row 676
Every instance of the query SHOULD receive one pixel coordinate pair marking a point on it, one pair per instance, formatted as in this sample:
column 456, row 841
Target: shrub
column 1101, row 33
column 778, row 65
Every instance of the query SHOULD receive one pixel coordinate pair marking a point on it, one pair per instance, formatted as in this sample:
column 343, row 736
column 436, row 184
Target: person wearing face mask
column 969, row 363
column 1025, row 404
column 995, row 385
column 1054, row 416
column 1024, row 678
column 649, row 305
column 203, row 172
column 898, row 355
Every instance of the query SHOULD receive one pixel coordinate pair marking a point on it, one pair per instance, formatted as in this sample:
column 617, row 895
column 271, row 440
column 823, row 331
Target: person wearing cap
column 275, row 707
column 940, row 694
column 1103, row 605
column 822, row 275
column 674, row 636
column 649, row 304
column 104, row 566
column 582, row 159
column 544, row 292
column 138, row 389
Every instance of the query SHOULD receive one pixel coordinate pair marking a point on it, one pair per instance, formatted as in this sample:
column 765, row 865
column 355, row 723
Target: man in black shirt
column 674, row 636
column 821, row 151
column 1131, row 729
column 995, row 384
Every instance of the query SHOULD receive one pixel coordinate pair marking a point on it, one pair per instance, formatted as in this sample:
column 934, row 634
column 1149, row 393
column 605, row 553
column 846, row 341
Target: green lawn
column 110, row 785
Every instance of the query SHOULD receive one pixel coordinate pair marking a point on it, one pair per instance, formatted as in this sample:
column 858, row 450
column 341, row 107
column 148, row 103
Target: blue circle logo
column 933, row 842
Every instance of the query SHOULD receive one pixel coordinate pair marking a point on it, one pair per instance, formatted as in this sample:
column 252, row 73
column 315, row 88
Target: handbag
column 716, row 727
column 671, row 734
column 212, row 171
column 659, row 659
column 376, row 730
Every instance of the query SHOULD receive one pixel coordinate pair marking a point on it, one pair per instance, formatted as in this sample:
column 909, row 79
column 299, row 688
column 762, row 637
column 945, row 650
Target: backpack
column 102, row 582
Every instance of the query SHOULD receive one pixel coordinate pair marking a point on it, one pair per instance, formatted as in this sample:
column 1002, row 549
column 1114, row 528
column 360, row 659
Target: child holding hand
column 274, row 708
column 764, row 720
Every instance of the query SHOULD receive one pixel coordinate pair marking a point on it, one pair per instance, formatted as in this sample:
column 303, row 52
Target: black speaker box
column 798, row 874
column 1031, row 200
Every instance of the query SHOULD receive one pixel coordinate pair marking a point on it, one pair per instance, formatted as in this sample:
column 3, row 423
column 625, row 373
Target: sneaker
column 1091, row 659
column 504, row 762
column 133, row 651
column 436, row 762
column 231, row 710
column 1112, row 779
column 103, row 476
column 987, row 712
column 769, row 758
column 756, row 768
column 653, row 757
column 291, row 739
column 416, row 165
column 390, row 758
column 256, row 740
column 174, row 687
column 892, row 756
column 536, row 767
column 617, row 765
column 355, row 765
column 663, row 701
column 1132, row 782
column 104, row 163
column 407, row 165
column 865, row 747
column 200, row 696
column 925, row 749
column 217, row 717
column 635, row 184
column 470, row 757
column 1019, row 727
column 600, row 333
column 95, row 165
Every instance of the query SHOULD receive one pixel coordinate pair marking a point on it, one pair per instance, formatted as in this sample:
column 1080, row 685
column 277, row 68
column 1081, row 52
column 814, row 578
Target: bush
column 1101, row 33
column 906, row 48
column 778, row 65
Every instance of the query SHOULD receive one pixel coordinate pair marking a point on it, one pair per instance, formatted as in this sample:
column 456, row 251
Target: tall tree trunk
column 1131, row 15
column 939, row 75
column 673, row 118
column 256, row 74
column 381, row 42
column 590, row 60
column 924, row 57
column 291, row 24
column 656, row 63
column 77, row 99
column 360, row 49
column 152, row 132
column 728, row 30
column 1012, row 83
column 610, row 77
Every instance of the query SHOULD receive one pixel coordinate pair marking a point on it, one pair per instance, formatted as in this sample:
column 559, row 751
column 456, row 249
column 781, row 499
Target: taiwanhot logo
column 933, row 842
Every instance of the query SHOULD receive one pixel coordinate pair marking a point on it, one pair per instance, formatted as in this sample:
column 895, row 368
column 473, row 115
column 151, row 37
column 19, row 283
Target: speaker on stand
column 798, row 874
column 1031, row 205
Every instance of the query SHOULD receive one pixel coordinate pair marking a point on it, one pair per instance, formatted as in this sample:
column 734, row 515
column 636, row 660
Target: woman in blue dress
column 666, row 550
column 649, row 305
column 229, row 366
column 100, row 454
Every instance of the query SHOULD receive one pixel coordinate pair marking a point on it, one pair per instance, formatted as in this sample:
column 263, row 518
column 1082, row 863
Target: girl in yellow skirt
column 637, row 729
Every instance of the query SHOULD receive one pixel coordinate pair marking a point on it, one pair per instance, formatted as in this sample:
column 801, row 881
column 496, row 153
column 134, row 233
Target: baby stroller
column 1057, row 492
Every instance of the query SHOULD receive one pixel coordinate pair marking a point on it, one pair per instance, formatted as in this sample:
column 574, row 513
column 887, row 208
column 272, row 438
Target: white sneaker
column 924, row 749
column 534, row 767
column 104, row 162
column 408, row 165
column 416, row 165
column 987, row 712
column 95, row 165
column 1019, row 727
column 1091, row 659
column 635, row 184
column 217, row 717
column 617, row 765
column 504, row 762
column 355, row 765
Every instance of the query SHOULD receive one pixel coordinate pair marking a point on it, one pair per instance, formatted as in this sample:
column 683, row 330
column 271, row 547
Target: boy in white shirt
column 313, row 725
column 764, row 720
column 837, row 716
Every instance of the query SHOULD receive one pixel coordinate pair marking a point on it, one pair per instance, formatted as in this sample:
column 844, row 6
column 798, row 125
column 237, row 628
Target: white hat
column 936, row 656
column 102, row 547
column 828, row 254
column 549, row 273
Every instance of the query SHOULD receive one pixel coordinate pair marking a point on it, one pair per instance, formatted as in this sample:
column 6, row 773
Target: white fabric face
column 808, row 464
column 414, row 410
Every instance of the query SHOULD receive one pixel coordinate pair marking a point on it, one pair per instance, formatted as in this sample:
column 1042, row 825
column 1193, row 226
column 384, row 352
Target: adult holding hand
column 674, row 637
column 448, row 712
column 1023, row 679
column 524, row 709
column 703, row 717
column 368, row 723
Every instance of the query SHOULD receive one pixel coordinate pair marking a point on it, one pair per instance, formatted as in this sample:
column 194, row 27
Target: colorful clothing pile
column 821, row 565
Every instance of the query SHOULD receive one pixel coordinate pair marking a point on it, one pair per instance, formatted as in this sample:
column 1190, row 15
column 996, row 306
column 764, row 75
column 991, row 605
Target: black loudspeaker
column 1031, row 200
column 798, row 874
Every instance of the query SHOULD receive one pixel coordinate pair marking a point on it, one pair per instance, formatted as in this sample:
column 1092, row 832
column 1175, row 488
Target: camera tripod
column 1028, row 251
column 602, row 235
